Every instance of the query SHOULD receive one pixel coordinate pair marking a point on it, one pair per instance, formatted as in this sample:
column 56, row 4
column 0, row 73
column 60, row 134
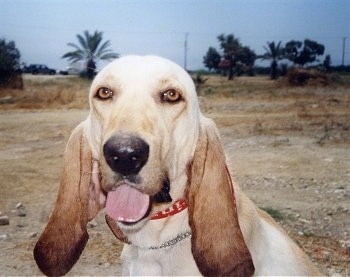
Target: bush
column 302, row 76
column 10, row 72
column 199, row 81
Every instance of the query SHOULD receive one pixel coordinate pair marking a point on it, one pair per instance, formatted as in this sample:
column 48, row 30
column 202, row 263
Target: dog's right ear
column 79, row 200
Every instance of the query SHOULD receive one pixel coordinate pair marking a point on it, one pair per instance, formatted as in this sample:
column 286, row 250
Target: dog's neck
column 171, row 242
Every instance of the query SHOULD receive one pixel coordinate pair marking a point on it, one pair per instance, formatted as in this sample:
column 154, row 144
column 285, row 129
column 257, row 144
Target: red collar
column 177, row 207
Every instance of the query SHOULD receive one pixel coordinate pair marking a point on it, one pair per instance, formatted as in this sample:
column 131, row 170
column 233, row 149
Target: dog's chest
column 173, row 260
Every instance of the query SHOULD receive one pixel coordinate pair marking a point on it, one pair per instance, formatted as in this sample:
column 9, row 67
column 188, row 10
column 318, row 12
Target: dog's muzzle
column 126, row 154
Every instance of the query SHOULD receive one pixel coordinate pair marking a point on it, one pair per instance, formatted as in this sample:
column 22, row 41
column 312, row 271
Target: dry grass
column 49, row 92
column 219, row 86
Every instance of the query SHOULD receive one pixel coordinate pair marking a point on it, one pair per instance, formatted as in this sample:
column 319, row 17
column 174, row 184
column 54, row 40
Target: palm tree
column 91, row 48
column 274, row 53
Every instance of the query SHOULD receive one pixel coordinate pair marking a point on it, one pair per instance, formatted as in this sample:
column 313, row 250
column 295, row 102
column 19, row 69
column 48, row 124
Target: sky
column 41, row 29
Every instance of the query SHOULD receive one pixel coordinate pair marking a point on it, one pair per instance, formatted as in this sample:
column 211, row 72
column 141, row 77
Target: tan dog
column 149, row 156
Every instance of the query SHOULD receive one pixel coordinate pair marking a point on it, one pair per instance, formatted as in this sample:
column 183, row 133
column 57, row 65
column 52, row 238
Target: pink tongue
column 127, row 204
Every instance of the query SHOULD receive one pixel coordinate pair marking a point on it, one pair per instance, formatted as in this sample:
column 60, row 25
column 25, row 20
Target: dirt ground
column 289, row 149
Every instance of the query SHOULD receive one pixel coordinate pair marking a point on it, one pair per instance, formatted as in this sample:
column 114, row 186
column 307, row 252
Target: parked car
column 70, row 71
column 39, row 69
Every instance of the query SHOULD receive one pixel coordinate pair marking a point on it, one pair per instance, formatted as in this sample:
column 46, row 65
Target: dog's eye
column 104, row 93
column 171, row 96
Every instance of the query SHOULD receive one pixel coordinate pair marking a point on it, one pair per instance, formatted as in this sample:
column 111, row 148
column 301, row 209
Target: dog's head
column 143, row 127
column 144, row 143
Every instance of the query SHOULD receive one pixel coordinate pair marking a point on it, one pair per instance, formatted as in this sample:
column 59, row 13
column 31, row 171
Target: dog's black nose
column 126, row 154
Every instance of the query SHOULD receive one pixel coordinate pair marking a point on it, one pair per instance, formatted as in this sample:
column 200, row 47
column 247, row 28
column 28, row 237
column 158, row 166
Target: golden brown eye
column 171, row 96
column 104, row 93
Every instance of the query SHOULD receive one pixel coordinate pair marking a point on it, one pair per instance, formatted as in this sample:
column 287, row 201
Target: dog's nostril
column 126, row 154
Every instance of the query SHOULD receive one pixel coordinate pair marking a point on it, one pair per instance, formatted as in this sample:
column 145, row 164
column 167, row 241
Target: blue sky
column 41, row 29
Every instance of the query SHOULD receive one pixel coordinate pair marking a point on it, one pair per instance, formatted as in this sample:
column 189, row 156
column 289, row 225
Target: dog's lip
column 131, row 179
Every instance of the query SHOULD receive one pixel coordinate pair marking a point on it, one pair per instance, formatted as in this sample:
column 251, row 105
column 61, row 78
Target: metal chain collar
column 171, row 242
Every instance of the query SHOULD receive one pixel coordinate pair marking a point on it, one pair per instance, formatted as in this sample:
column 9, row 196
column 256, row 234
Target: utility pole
column 343, row 55
column 186, row 48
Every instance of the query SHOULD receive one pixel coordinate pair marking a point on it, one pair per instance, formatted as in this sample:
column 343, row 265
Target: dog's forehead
column 143, row 69
column 144, row 64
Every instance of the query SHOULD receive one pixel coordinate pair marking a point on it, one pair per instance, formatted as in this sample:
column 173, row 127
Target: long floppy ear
column 78, row 201
column 218, row 246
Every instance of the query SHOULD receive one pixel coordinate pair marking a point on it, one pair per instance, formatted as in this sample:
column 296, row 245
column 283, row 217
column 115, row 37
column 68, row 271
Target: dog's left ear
column 79, row 200
column 218, row 245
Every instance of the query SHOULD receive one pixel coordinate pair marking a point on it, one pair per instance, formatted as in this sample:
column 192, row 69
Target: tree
column 212, row 59
column 246, row 57
column 300, row 53
column 235, row 56
column 91, row 48
column 230, row 46
column 274, row 52
column 9, row 61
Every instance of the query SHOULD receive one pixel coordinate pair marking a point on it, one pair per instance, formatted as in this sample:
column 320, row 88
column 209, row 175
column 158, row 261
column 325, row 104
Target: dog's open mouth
column 127, row 204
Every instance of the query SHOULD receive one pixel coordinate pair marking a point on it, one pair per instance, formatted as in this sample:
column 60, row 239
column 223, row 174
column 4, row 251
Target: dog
column 148, row 156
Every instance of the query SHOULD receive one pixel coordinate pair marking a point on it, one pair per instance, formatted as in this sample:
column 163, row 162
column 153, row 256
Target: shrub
column 302, row 76
column 10, row 73
column 199, row 81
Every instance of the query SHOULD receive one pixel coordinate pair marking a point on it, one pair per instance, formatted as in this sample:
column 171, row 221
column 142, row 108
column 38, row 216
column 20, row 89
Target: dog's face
column 143, row 130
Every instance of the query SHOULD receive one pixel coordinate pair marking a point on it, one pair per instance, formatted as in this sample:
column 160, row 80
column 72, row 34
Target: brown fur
column 65, row 235
column 218, row 246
